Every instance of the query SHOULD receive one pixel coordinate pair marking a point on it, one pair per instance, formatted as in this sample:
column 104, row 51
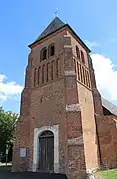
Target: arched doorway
column 46, row 151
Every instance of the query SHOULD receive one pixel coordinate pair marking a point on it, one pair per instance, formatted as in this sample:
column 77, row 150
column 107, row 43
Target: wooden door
column 46, row 152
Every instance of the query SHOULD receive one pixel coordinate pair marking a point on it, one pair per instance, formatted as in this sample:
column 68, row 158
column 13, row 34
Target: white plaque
column 22, row 152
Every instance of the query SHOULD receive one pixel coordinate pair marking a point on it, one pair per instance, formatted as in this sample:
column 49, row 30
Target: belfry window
column 51, row 50
column 82, row 57
column 77, row 52
column 43, row 55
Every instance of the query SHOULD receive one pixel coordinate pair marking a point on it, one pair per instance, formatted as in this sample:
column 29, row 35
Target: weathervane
column 56, row 12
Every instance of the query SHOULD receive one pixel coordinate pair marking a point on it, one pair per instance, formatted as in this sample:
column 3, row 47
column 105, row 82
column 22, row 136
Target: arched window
column 51, row 50
column 82, row 57
column 77, row 52
column 43, row 54
column 47, row 134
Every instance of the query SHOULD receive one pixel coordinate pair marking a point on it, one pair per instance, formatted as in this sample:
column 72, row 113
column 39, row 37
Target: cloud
column 91, row 44
column 9, row 89
column 106, row 76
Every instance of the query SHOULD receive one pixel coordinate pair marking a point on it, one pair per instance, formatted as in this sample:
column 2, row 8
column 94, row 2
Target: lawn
column 107, row 174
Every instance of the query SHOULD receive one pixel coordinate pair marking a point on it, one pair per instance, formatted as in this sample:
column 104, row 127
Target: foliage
column 7, row 128
column 107, row 174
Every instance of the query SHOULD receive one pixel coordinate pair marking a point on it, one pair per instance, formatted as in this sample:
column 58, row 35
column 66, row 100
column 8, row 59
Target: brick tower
column 56, row 131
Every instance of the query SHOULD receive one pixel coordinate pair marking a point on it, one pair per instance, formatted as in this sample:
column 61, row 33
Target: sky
column 22, row 21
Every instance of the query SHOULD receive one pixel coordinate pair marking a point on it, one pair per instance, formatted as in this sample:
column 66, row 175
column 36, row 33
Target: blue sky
column 22, row 21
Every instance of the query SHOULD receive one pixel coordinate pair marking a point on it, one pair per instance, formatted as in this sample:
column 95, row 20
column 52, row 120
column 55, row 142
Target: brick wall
column 22, row 141
column 105, row 129
column 108, row 141
column 42, row 105
column 85, row 95
column 63, row 100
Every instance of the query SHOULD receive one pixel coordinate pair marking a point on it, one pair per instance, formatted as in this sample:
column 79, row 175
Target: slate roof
column 108, row 105
column 54, row 26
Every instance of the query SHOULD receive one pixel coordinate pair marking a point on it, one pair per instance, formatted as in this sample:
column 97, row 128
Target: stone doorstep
column 90, row 173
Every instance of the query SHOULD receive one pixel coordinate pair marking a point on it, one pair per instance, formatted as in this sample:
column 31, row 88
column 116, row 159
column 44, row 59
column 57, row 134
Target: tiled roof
column 108, row 105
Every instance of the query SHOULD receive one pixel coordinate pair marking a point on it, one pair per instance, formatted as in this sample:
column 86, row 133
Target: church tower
column 56, row 131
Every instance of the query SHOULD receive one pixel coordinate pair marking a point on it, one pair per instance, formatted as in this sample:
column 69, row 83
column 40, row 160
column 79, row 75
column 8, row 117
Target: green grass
column 107, row 174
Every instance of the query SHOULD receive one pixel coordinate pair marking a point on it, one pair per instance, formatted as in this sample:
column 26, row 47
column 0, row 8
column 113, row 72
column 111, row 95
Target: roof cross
column 56, row 12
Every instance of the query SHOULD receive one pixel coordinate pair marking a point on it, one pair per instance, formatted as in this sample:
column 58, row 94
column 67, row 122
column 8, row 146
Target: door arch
column 46, row 151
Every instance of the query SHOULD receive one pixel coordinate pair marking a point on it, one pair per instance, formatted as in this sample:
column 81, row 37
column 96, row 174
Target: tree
column 8, row 122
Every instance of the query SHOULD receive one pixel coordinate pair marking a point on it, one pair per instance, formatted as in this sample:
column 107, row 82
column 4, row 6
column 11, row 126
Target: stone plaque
column 22, row 152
